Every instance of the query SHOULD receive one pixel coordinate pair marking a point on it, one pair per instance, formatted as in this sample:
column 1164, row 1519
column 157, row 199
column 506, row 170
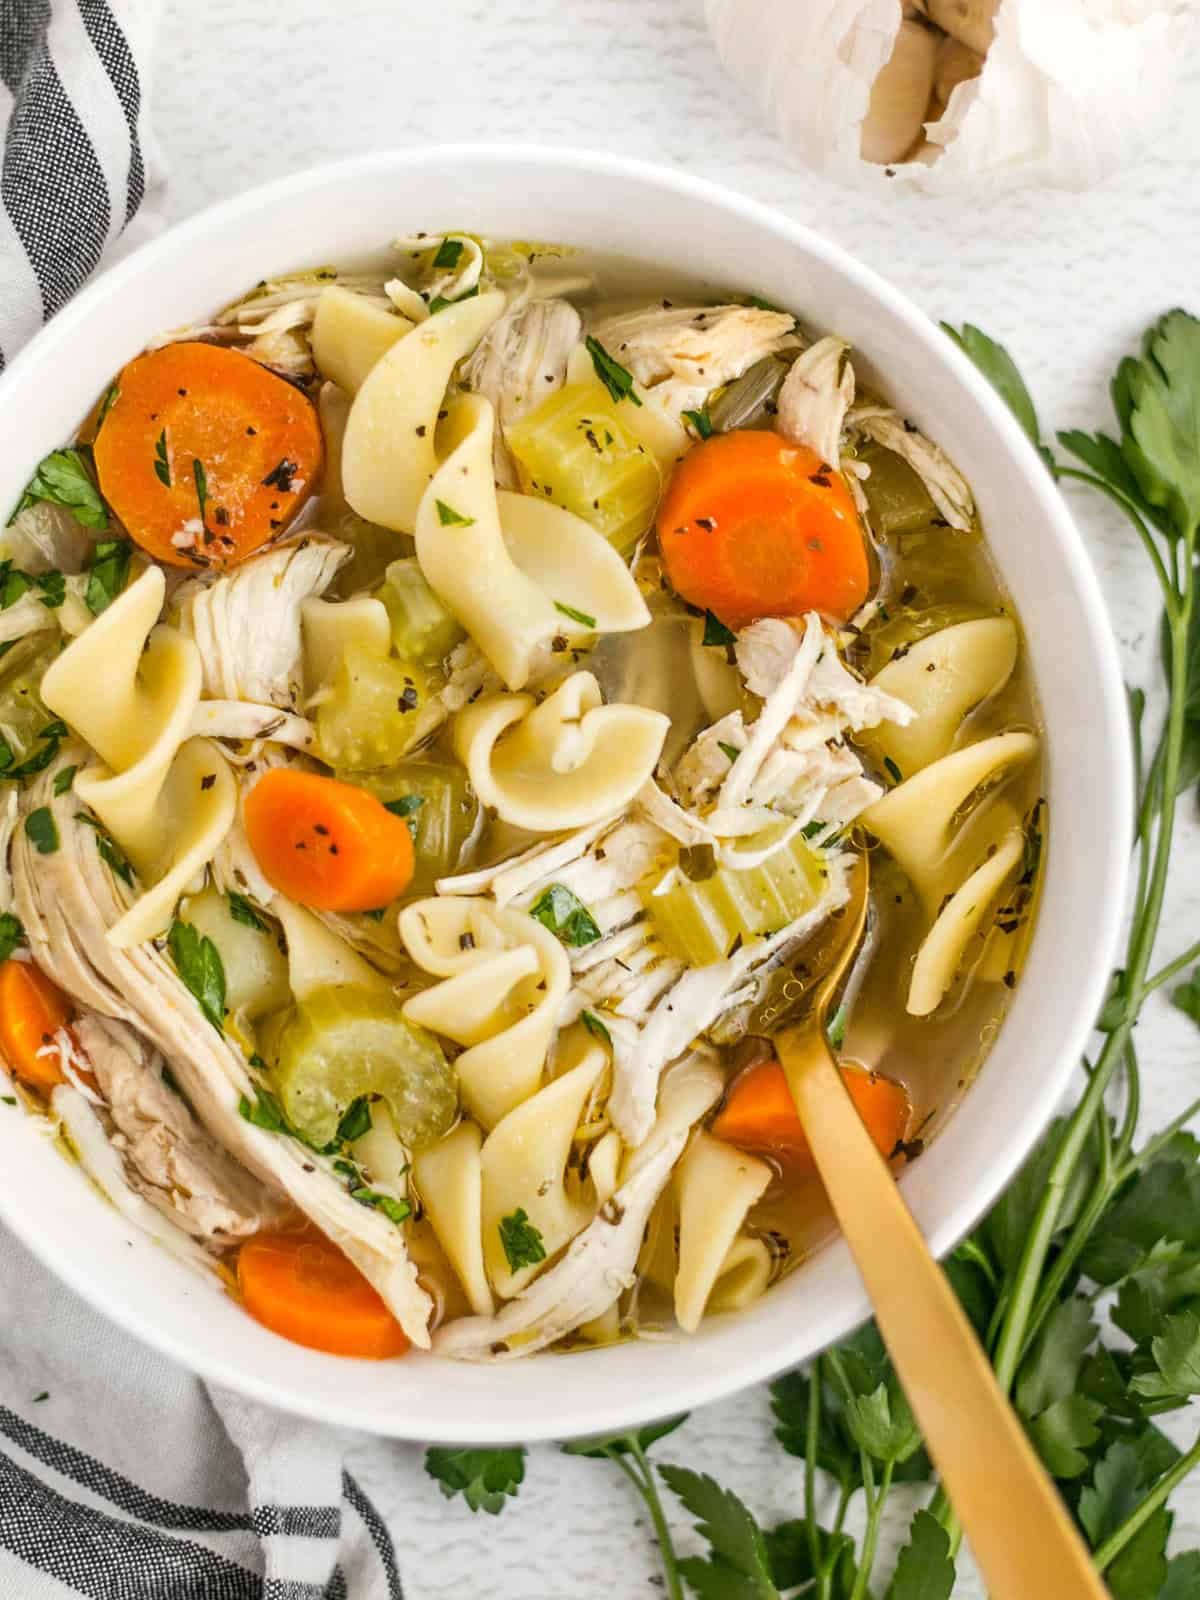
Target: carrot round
column 326, row 843
column 753, row 526
column 32, row 1010
column 205, row 454
column 759, row 1114
column 302, row 1287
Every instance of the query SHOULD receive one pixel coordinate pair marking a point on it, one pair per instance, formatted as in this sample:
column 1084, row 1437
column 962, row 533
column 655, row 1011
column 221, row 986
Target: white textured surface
column 1067, row 281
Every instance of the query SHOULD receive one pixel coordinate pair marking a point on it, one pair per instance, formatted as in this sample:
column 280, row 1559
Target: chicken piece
column 816, row 395
column 66, row 901
column 246, row 623
column 520, row 361
column 686, row 352
column 948, row 489
column 601, row 1262
column 170, row 1159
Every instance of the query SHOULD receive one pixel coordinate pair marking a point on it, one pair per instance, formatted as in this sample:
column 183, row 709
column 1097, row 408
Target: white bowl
column 606, row 203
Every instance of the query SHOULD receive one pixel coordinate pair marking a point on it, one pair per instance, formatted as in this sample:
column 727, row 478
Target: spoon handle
column 1019, row 1530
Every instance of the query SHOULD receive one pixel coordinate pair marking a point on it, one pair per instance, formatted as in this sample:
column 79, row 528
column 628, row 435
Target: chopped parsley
column 198, row 962
column 521, row 1241
column 108, row 849
column 12, row 934
column 356, row 1120
column 449, row 518
column 566, row 915
column 595, row 1027
column 162, row 463
column 893, row 771
column 612, row 374
column 109, row 570
column 242, row 910
column 701, row 421
column 730, row 750
column 54, row 589
column 407, row 807
column 62, row 479
column 111, row 395
column 64, row 779
column 581, row 617
column 440, row 302
column 264, row 1112
column 394, row 1210
column 448, row 253
column 52, row 736
column 715, row 631
column 42, row 830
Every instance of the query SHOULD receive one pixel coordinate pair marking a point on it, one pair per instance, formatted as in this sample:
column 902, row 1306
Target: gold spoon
column 1020, row 1533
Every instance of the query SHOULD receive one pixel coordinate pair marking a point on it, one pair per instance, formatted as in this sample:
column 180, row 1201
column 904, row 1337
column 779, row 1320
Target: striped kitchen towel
column 122, row 1476
column 80, row 170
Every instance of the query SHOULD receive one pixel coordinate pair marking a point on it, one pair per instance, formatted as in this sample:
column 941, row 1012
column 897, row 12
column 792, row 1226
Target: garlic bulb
column 950, row 94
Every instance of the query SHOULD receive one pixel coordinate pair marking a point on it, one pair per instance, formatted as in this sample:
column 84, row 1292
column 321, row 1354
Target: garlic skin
column 1068, row 91
column 900, row 96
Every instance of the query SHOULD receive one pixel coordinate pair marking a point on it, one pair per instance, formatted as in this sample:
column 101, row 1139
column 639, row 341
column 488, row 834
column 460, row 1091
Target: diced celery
column 898, row 500
column 443, row 813
column 422, row 628
column 705, row 921
column 575, row 450
column 370, row 716
column 342, row 1042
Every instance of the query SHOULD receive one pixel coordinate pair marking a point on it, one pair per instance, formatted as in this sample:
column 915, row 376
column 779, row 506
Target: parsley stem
column 1145, row 1509
column 875, row 1502
column 1165, row 974
column 811, row 1437
column 1119, row 1152
column 1147, row 916
column 1169, row 589
column 643, row 1481
column 1152, row 1147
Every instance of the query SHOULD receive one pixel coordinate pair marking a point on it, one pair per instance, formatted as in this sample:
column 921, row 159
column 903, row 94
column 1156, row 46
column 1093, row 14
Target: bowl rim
column 1110, row 720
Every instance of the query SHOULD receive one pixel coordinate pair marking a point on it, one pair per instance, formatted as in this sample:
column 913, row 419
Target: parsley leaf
column 162, row 464
column 242, row 910
column 599, row 1445
column 449, row 518
column 107, row 848
column 198, row 962
column 924, row 1570
column 1186, row 996
column 440, row 302
column 612, row 374
column 790, row 1556
column 730, row 751
column 264, row 1112
column 999, row 368
column 1183, row 1577
column 1157, row 398
column 882, row 1424
column 484, row 1478
column 522, row 1242
column 64, row 779
column 109, row 570
column 42, row 830
column 448, row 253
column 1112, row 1491
column 565, row 915
column 54, row 589
column 407, row 807
column 12, row 934
column 738, row 1567
column 580, row 617
column 595, row 1027
column 356, row 1120
column 893, row 771
column 701, row 421
column 715, row 631
column 1176, row 1352
column 394, row 1210
column 62, row 479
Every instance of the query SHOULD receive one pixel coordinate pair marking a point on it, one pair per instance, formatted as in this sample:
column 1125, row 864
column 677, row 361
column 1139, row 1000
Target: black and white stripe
column 74, row 168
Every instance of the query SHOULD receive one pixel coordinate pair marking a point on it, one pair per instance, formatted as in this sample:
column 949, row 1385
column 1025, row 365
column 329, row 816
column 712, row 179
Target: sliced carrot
column 752, row 526
column 205, row 454
column 32, row 1010
column 326, row 843
column 302, row 1287
column 759, row 1114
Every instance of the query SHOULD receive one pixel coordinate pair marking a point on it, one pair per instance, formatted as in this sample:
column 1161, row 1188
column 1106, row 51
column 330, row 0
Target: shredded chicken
column 601, row 1262
column 816, row 394
column 520, row 361
column 67, row 901
column 948, row 489
column 685, row 352
column 246, row 623
column 170, row 1159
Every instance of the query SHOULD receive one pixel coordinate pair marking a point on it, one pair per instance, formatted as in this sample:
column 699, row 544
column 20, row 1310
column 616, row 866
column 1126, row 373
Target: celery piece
column 343, row 1042
column 29, row 735
column 706, row 920
column 575, row 450
column 897, row 499
column 370, row 715
column 422, row 628
column 443, row 821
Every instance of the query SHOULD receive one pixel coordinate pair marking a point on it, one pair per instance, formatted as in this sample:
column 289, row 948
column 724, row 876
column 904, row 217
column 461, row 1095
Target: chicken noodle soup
column 442, row 707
